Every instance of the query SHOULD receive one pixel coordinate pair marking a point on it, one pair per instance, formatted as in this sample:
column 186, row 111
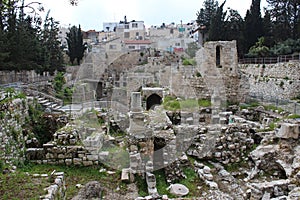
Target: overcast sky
column 91, row 14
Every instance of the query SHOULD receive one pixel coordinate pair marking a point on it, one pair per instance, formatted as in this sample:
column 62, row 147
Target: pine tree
column 285, row 15
column 253, row 25
column 76, row 47
column 216, row 31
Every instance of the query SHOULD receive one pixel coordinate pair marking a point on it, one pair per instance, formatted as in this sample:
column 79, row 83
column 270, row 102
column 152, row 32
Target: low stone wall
column 70, row 146
column 7, row 77
column 57, row 189
column 279, row 80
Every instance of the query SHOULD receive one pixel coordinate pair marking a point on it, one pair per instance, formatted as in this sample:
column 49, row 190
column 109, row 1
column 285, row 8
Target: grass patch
column 171, row 103
column 21, row 186
column 249, row 105
column 204, row 103
column 161, row 183
column 192, row 182
column 233, row 167
column 142, row 186
column 273, row 108
column 76, row 175
column 293, row 116
column 187, row 61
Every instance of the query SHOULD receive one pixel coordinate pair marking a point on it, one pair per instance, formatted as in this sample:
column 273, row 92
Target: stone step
column 43, row 101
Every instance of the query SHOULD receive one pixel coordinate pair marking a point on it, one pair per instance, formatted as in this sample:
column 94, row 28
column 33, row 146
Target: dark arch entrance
column 153, row 100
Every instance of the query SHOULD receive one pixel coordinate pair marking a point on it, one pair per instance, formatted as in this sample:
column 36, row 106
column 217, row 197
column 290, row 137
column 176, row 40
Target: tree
column 205, row 14
column 52, row 52
column 216, row 31
column 285, row 15
column 253, row 25
column 268, row 29
column 233, row 28
column 76, row 47
column 259, row 49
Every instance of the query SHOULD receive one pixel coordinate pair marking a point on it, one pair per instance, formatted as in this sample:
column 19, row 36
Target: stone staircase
column 48, row 104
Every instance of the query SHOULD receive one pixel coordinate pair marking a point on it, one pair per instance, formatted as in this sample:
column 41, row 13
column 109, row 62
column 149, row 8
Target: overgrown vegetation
column 63, row 92
column 22, row 186
column 11, row 94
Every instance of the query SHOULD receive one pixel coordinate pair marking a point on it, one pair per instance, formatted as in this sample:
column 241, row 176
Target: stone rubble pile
column 174, row 171
column 204, row 173
column 231, row 144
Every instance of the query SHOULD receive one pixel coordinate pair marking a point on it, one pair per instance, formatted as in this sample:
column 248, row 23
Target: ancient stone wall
column 70, row 146
column 7, row 77
column 279, row 80
column 12, row 141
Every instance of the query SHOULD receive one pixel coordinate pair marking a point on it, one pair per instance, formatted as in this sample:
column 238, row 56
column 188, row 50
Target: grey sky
column 90, row 14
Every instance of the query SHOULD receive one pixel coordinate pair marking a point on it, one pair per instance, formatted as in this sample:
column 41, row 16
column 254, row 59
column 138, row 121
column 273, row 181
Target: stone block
column 92, row 157
column 61, row 156
column 77, row 161
column 103, row 155
column 125, row 174
column 68, row 162
column 61, row 162
column 288, row 130
column 87, row 163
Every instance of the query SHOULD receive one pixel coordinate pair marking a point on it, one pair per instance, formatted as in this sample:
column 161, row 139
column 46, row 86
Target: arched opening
column 218, row 56
column 153, row 100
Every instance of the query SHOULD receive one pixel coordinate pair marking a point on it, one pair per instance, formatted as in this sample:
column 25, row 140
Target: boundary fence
column 270, row 60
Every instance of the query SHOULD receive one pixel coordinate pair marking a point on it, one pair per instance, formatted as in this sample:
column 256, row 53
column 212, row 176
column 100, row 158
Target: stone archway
column 153, row 100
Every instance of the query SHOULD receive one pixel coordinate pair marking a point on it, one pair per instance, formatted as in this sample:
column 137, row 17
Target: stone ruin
column 219, row 138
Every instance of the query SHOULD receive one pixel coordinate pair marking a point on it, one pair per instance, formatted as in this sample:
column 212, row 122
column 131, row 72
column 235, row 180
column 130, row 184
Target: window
column 218, row 56
column 137, row 34
column 126, row 26
column 126, row 35
column 134, row 25
column 131, row 47
column 112, row 46
column 177, row 44
column 142, row 47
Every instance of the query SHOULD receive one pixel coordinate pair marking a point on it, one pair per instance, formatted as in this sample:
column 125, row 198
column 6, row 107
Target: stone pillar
column 136, row 104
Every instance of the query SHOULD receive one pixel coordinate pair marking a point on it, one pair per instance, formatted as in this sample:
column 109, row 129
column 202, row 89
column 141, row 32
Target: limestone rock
column 91, row 190
column 288, row 130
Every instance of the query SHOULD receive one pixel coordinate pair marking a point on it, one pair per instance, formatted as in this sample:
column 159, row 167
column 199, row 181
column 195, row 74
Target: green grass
column 187, row 61
column 171, row 103
column 293, row 116
column 75, row 175
column 249, row 105
column 192, row 182
column 273, row 108
column 204, row 103
column 233, row 167
column 161, row 183
column 22, row 186
column 142, row 186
